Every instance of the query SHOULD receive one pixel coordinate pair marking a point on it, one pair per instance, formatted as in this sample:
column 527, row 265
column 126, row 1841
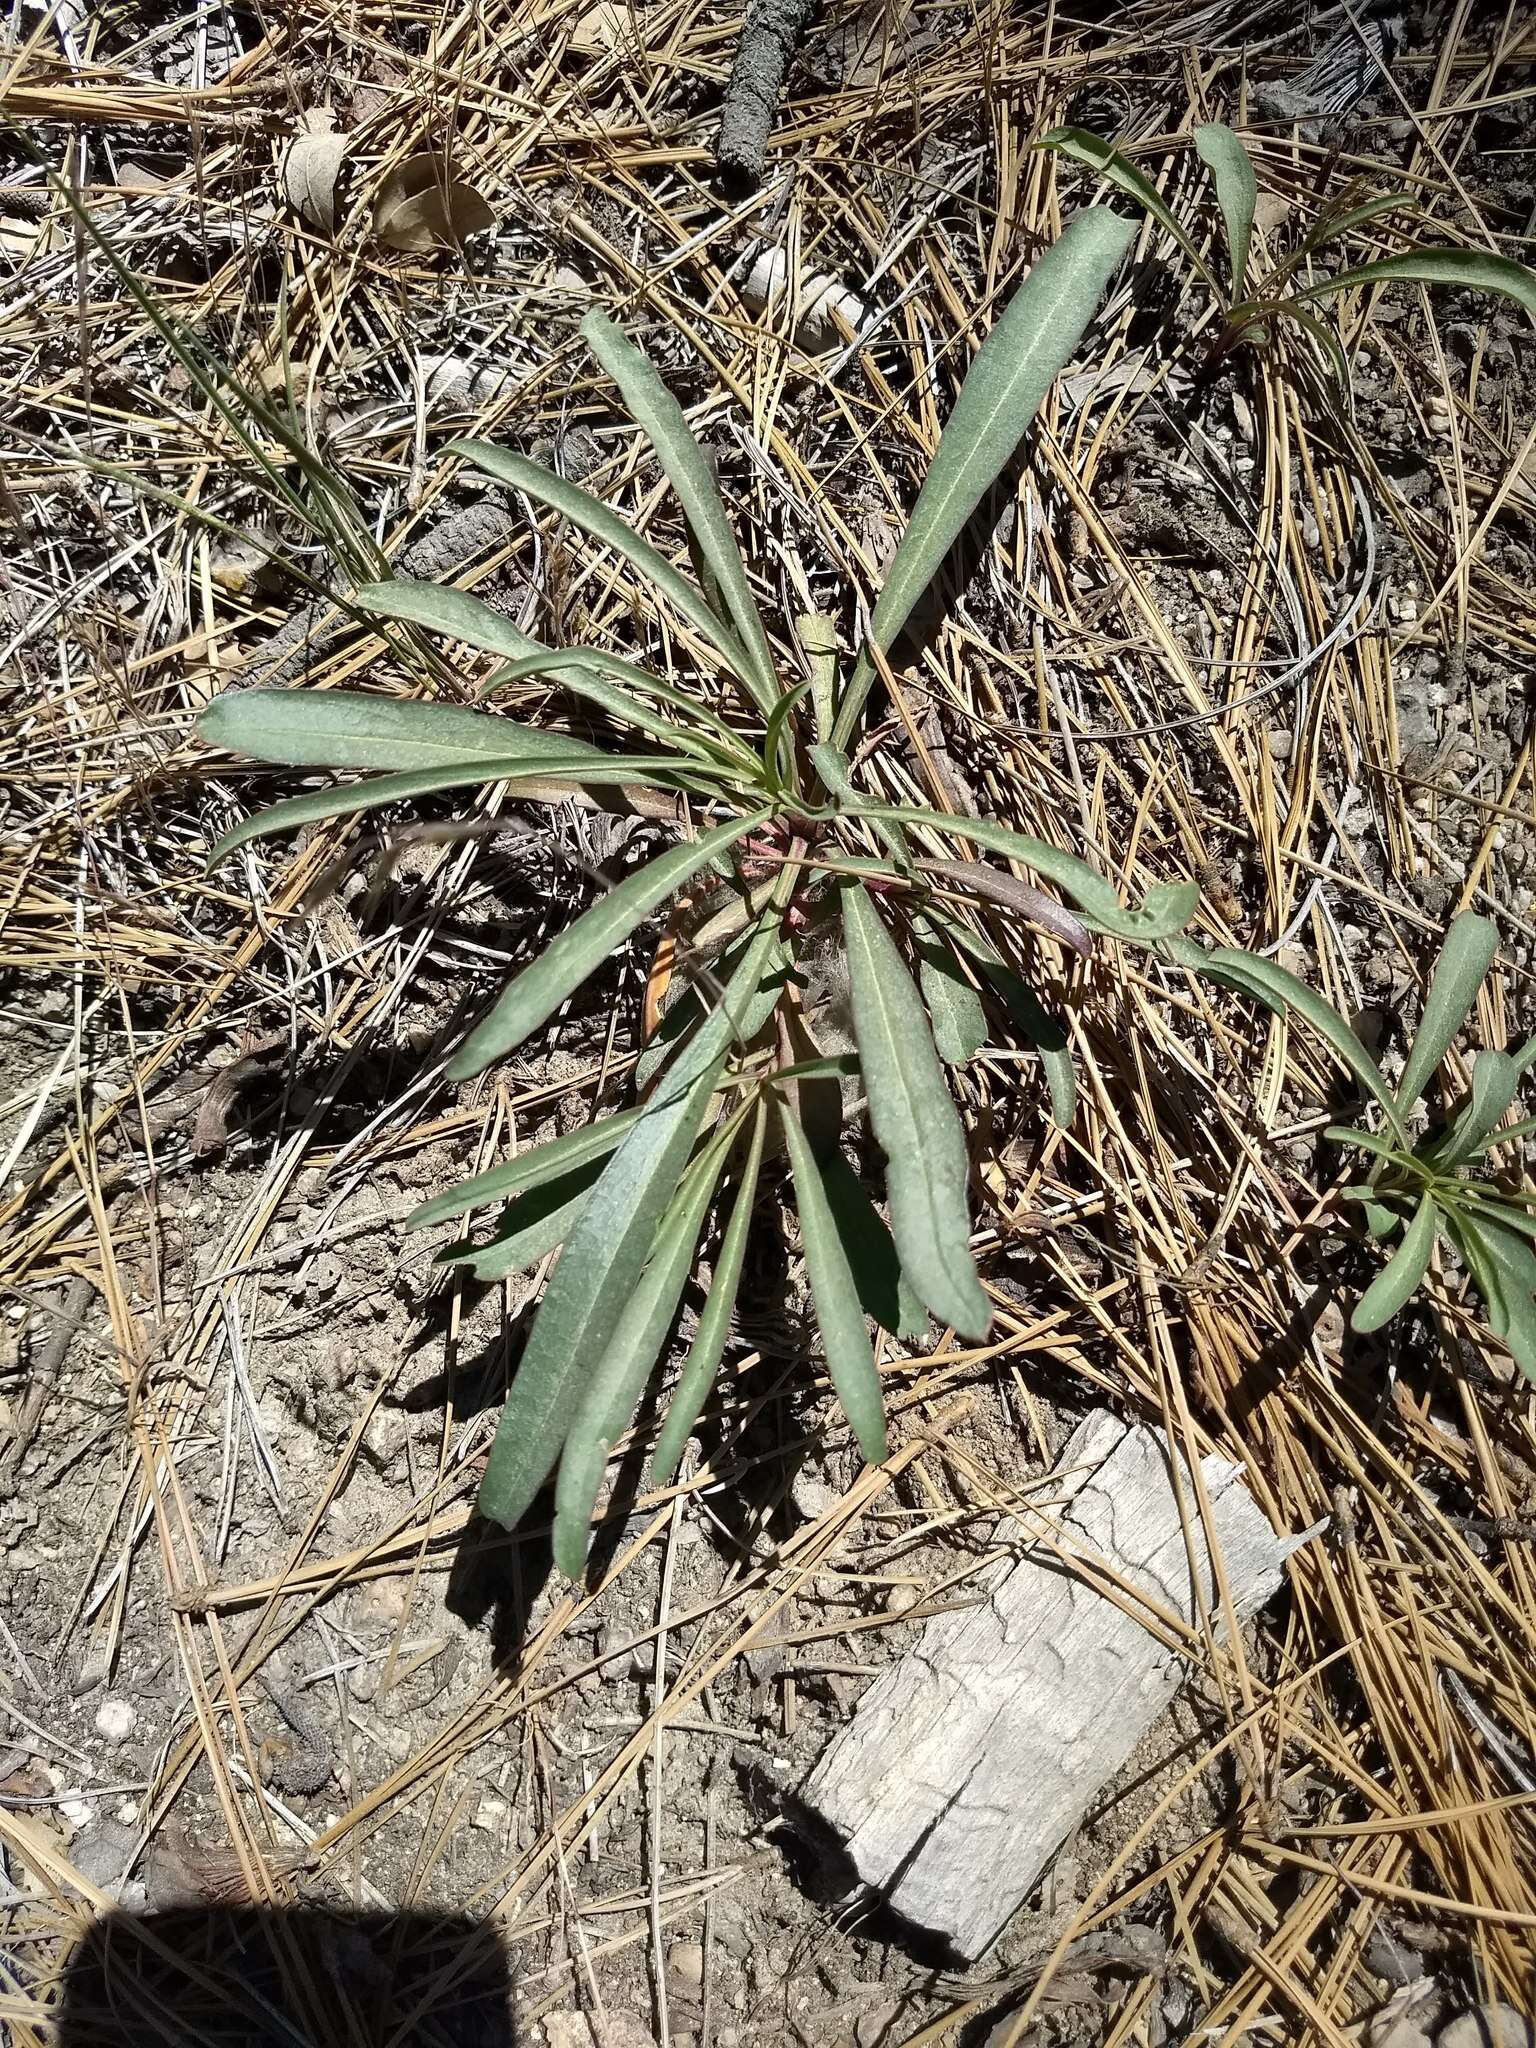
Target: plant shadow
column 260, row 1977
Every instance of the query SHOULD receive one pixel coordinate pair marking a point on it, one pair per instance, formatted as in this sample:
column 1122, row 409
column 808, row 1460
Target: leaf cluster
column 787, row 853
column 1288, row 287
column 1420, row 1190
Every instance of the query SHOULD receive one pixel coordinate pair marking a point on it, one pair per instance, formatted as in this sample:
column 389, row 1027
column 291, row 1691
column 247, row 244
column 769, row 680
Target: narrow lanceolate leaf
column 870, row 1250
column 1504, row 1266
column 1465, row 958
column 597, row 1272
column 1014, row 368
column 954, row 1008
column 1398, row 1278
column 581, row 948
column 1029, row 1018
column 1281, row 991
column 604, row 524
column 534, row 1168
column 1473, row 269
column 534, row 1224
column 461, row 616
column 457, row 614
column 614, row 1385
column 750, row 1007
column 347, row 729
column 915, row 1121
column 839, row 1312
column 585, row 671
column 1237, row 192
column 347, row 799
column 1088, row 890
column 1119, row 171
column 1495, row 1078
column 654, row 409
column 709, row 1340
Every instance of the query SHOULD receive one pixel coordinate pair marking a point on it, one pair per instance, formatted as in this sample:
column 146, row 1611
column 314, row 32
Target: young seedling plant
column 1418, row 1190
column 788, row 854
column 1287, row 289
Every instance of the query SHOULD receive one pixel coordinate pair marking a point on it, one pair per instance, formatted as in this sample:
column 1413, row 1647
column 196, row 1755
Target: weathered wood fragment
column 970, row 1761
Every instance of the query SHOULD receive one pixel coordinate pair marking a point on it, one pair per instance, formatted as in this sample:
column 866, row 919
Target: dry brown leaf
column 423, row 206
column 605, row 25
column 312, row 167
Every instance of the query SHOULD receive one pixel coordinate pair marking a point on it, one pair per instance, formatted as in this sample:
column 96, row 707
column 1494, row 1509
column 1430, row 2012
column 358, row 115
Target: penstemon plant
column 1419, row 1190
column 790, row 855
column 1250, row 307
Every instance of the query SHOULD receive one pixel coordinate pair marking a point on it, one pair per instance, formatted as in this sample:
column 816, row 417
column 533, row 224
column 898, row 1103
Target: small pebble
column 685, row 1965
column 114, row 1720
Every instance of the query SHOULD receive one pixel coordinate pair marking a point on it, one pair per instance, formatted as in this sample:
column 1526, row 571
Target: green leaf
column 587, row 674
column 604, row 524
column 1496, row 1077
column 1368, row 1141
column 870, row 1250
column 750, row 1008
column 347, row 729
column 709, row 1339
column 1033, row 1022
column 1014, row 368
column 344, row 800
column 1167, row 909
column 1279, row 990
column 1465, row 958
column 550, row 1161
column 915, row 1121
column 1504, row 1266
column 1103, row 157
column 597, row 1273
column 954, row 1008
column 615, row 1384
column 1401, row 1274
column 839, row 1314
column 1237, row 192
column 1331, row 226
column 1505, row 1214
column 536, row 1223
column 1088, row 889
column 583, row 946
column 1474, row 269
column 818, row 636
column 745, row 1005
column 778, row 718
column 1511, row 1134
column 655, row 410
column 462, row 616
column 1380, row 1220
column 457, row 614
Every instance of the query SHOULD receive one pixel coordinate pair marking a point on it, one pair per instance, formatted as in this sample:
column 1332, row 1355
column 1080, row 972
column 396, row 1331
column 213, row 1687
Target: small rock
column 685, row 1966
column 77, row 1812
column 114, row 1720
column 812, row 1497
column 101, row 1854
column 902, row 1599
column 1487, row 2026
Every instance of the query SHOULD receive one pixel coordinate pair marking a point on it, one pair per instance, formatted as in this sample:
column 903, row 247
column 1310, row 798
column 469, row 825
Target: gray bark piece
column 970, row 1761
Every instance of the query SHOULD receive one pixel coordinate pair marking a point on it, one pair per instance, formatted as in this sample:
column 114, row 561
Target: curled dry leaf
column 312, row 167
column 423, row 206
column 976, row 878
